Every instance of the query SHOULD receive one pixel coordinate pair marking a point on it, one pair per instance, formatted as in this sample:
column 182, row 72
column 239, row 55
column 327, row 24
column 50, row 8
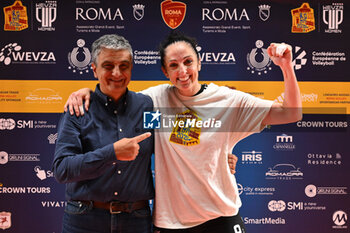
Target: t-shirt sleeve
column 156, row 92
column 249, row 115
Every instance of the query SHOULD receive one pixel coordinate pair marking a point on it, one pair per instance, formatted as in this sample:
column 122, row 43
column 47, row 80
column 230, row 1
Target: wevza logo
column 284, row 142
column 12, row 53
column 208, row 58
column 251, row 157
column 46, row 14
column 333, row 17
column 284, row 172
column 226, row 14
column 153, row 120
column 311, row 190
column 6, row 157
column 92, row 14
column 280, row 206
column 43, row 96
column 340, row 218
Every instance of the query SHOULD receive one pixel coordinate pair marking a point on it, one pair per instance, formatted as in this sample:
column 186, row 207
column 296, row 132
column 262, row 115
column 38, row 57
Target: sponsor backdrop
column 292, row 178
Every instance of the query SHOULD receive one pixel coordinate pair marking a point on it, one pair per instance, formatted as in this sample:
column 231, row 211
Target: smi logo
column 12, row 53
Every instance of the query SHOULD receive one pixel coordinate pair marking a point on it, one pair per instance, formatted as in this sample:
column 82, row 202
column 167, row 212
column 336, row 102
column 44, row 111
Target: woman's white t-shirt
column 192, row 177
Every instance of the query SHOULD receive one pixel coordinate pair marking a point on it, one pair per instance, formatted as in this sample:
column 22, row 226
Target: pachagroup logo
column 173, row 13
column 303, row 19
column 151, row 120
column 16, row 18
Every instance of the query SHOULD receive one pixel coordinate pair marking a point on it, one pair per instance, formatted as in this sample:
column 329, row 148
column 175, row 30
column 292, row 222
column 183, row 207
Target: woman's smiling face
column 181, row 67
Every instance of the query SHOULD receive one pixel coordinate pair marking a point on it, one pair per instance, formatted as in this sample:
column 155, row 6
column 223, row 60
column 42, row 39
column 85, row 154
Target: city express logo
column 173, row 13
column 16, row 18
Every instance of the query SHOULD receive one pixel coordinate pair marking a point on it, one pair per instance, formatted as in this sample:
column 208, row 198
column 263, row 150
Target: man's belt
column 116, row 207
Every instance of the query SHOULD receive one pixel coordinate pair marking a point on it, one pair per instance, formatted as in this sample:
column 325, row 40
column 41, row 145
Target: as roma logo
column 173, row 13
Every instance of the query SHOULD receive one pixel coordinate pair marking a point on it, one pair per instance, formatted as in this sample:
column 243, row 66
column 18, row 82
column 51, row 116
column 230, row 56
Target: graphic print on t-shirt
column 185, row 130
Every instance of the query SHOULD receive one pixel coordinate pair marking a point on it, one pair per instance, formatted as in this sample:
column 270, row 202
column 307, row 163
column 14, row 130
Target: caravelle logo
column 12, row 53
column 16, row 18
column 284, row 142
column 173, row 13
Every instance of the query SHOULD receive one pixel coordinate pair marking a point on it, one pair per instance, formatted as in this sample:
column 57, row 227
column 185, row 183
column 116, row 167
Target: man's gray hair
column 111, row 41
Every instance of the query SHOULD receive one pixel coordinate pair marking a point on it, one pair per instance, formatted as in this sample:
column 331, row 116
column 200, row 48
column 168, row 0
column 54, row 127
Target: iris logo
column 151, row 120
